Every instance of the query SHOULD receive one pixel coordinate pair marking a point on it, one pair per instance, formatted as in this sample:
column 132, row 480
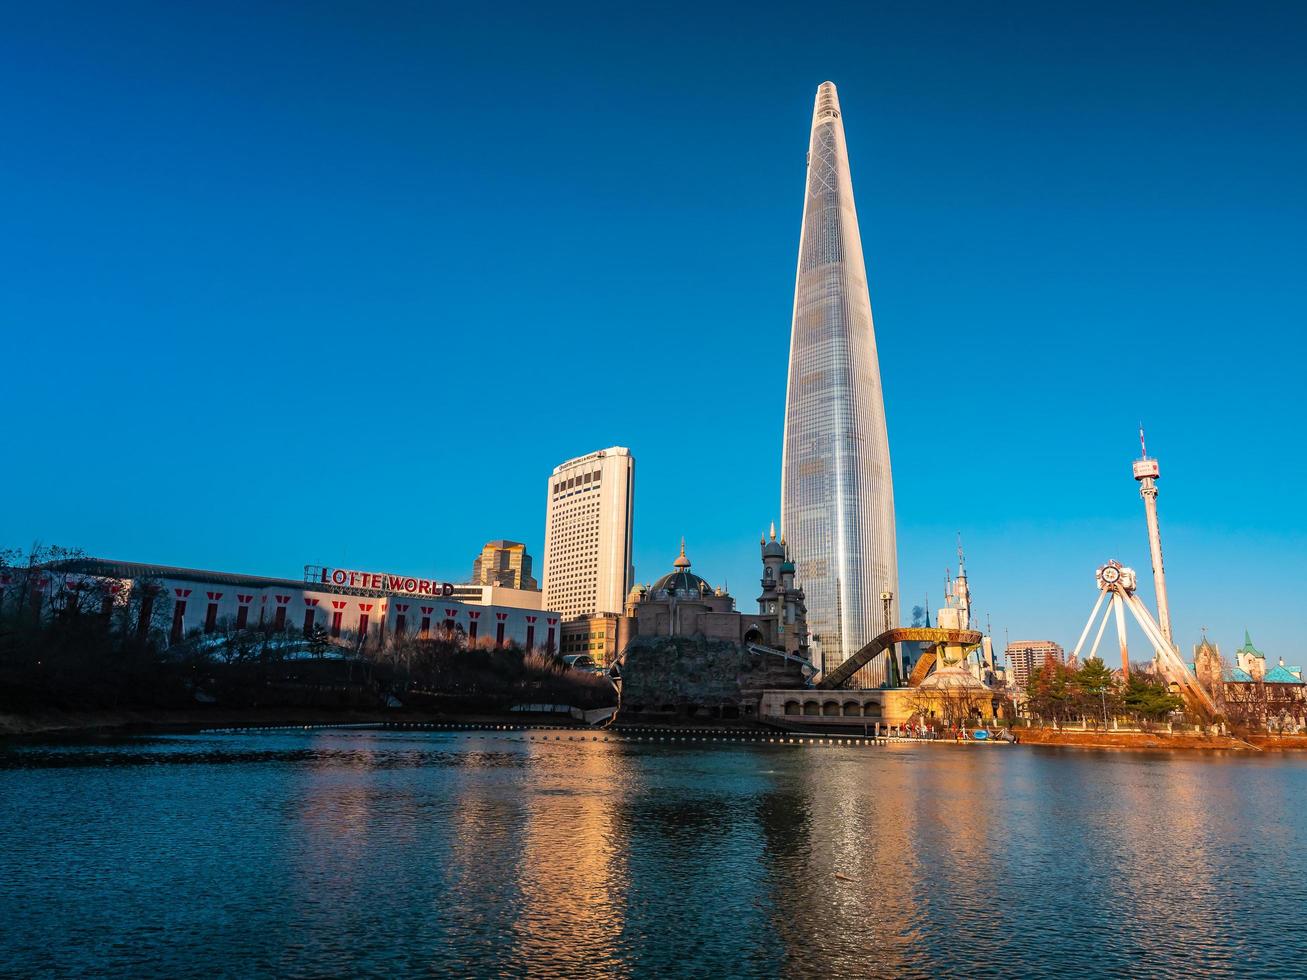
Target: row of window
column 576, row 481
column 448, row 626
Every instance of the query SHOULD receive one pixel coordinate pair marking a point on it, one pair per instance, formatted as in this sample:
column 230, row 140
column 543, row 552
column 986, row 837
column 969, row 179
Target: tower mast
column 1146, row 472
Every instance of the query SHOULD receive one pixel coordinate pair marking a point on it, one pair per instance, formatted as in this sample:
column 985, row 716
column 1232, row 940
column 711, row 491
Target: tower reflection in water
column 566, row 857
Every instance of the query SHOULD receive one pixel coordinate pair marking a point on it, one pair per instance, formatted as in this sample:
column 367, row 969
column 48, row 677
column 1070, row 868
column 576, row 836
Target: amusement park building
column 342, row 603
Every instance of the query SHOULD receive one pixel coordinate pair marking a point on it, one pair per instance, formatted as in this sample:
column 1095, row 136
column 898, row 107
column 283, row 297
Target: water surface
column 359, row 852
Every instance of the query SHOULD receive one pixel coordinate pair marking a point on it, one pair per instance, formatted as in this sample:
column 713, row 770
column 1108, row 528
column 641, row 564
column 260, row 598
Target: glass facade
column 837, row 498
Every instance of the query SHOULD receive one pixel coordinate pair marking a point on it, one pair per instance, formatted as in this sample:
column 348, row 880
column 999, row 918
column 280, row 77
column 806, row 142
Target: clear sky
column 340, row 283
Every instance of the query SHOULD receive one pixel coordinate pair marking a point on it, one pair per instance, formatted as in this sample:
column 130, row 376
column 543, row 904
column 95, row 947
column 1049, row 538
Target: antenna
column 1143, row 448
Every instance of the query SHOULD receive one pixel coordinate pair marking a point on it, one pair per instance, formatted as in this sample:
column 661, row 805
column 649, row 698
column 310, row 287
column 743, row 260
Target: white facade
column 587, row 567
column 197, row 601
column 498, row 595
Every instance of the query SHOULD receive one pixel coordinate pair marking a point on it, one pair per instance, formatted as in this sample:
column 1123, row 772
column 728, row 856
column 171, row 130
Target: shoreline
column 127, row 722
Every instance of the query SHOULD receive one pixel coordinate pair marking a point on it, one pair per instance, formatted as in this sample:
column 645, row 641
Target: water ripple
column 437, row 854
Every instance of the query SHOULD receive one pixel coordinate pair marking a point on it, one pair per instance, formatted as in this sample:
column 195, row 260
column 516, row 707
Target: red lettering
column 410, row 585
column 424, row 587
column 338, row 577
column 353, row 579
column 324, row 575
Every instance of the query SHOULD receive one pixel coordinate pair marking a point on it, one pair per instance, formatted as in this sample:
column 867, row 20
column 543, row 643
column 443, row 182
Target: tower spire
column 682, row 561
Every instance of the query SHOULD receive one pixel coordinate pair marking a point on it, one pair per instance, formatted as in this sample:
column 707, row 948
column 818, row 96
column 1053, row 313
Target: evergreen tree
column 1149, row 698
column 1098, row 691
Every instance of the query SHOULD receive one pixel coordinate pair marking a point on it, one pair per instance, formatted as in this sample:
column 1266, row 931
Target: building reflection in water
column 511, row 855
column 850, row 870
column 571, row 872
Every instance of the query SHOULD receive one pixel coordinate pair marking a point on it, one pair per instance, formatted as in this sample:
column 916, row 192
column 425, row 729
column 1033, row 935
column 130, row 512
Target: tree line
column 85, row 642
column 1092, row 693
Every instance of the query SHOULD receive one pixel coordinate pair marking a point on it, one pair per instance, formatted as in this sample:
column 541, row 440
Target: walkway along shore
column 122, row 723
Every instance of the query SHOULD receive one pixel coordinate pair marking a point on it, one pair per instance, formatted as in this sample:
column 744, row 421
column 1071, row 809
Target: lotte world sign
column 400, row 584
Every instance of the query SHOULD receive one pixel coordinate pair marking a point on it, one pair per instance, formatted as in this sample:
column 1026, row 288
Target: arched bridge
column 903, row 634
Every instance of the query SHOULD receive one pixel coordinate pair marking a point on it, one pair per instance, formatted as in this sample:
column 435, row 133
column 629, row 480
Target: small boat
column 980, row 734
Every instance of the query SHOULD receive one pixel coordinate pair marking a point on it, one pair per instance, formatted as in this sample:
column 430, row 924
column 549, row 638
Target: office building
column 587, row 565
column 837, row 498
column 503, row 563
column 1025, row 657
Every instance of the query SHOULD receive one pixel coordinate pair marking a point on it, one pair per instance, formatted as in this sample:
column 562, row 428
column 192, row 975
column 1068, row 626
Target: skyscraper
column 837, row 498
column 503, row 563
column 588, row 534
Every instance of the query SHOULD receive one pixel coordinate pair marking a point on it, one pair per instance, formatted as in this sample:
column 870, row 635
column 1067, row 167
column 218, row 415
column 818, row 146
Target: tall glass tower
column 837, row 498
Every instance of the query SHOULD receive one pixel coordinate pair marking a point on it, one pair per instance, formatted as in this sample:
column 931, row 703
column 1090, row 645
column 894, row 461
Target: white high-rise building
column 837, row 497
column 587, row 566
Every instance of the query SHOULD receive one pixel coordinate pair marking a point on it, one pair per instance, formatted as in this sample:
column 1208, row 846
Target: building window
column 242, row 616
column 308, row 619
column 147, row 610
column 279, row 618
column 530, row 636
column 178, row 615
column 499, row 634
column 472, row 630
column 401, row 624
column 363, row 625
column 335, row 623
column 424, row 628
column 211, row 618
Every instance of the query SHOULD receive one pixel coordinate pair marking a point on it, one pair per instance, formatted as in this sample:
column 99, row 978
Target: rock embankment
column 680, row 674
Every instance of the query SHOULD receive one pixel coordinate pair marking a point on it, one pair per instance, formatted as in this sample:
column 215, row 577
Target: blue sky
column 341, row 283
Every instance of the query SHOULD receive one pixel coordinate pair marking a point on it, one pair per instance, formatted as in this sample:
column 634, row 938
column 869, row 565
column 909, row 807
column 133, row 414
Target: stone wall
column 678, row 674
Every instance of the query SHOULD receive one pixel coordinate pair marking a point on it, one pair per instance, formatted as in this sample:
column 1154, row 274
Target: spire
column 1142, row 447
column 682, row 562
column 962, row 568
column 773, row 530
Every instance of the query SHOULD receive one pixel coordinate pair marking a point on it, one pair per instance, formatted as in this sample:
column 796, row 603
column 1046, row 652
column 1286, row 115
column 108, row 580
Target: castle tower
column 837, row 498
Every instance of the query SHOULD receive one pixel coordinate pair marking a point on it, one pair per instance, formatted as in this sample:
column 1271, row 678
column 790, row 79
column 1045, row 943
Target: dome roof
column 680, row 580
column 773, row 548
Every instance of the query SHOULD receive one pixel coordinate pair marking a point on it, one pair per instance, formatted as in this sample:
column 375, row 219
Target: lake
column 502, row 854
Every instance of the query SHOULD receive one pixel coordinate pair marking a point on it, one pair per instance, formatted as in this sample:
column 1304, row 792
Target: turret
column 773, row 557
